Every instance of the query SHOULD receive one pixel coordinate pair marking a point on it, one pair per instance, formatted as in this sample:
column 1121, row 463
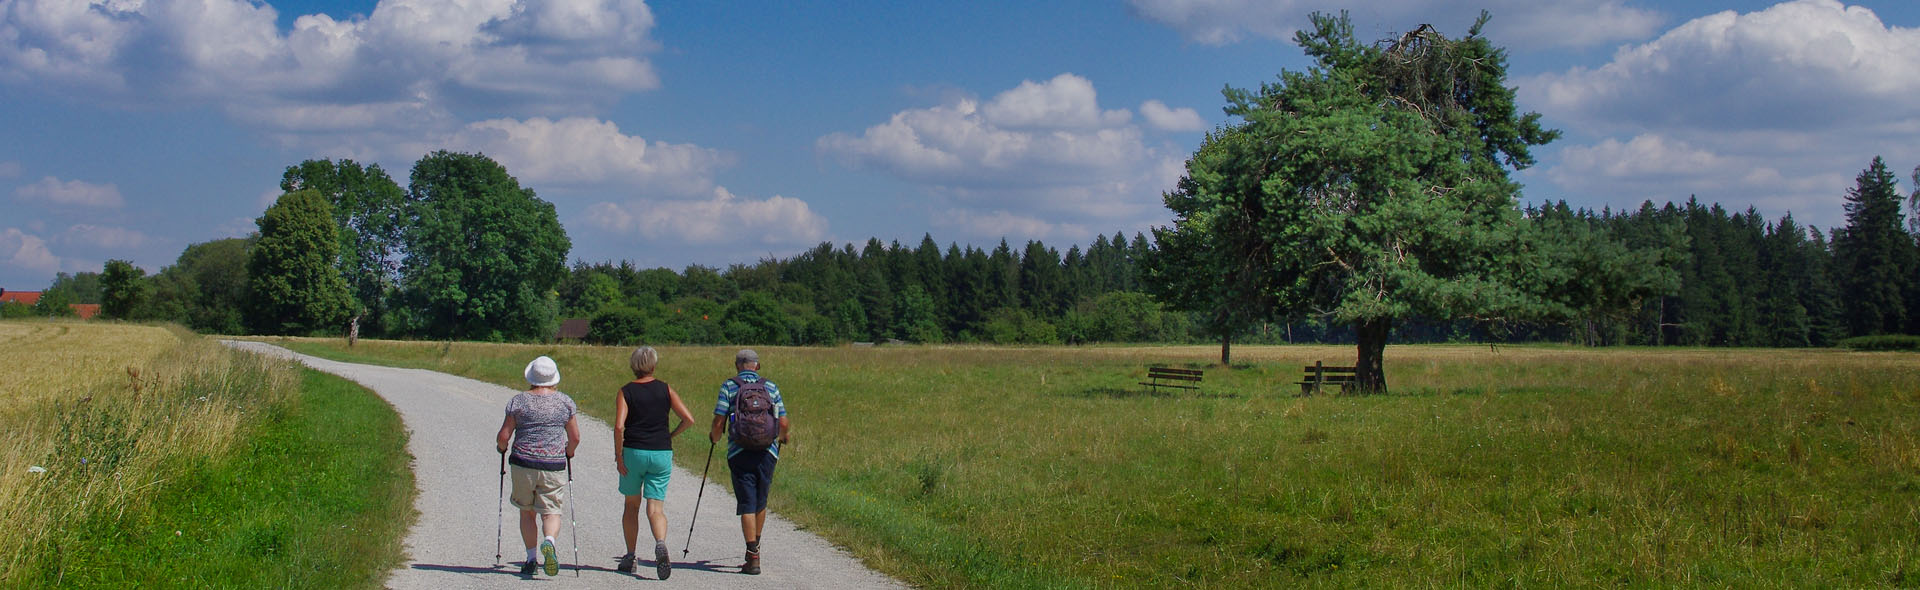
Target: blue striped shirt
column 725, row 406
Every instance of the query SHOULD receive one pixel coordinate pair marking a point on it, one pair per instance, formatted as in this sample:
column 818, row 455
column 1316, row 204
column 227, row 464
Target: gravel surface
column 453, row 421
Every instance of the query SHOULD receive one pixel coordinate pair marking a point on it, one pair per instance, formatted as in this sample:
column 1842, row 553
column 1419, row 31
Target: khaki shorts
column 538, row 490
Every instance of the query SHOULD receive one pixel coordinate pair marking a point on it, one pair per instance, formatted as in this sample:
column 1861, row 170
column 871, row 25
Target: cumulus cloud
column 1040, row 157
column 1806, row 64
column 583, row 151
column 407, row 58
column 722, row 218
column 1522, row 23
column 1778, row 108
column 1163, row 118
column 70, row 193
column 24, row 251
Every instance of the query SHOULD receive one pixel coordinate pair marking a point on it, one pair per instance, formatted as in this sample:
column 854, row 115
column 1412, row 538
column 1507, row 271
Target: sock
column 533, row 555
column 753, row 546
column 659, row 546
column 550, row 540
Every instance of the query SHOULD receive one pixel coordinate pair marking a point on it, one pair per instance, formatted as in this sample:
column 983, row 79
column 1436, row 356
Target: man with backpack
column 754, row 419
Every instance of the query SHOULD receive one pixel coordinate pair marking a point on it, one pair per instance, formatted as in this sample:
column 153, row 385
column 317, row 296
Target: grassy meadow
column 1486, row 467
column 165, row 459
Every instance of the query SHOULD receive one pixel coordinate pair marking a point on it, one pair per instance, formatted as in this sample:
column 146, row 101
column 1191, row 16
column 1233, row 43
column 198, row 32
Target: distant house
column 84, row 310
column 20, row 297
column 573, row 330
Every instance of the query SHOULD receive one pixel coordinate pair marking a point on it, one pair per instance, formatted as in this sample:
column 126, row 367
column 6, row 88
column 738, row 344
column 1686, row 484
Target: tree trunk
column 1369, row 375
column 353, row 330
column 1226, row 349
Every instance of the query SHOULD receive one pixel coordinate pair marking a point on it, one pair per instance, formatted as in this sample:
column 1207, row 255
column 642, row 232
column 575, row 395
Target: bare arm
column 719, row 428
column 506, row 434
column 573, row 434
column 619, row 431
column 786, row 430
column 679, row 409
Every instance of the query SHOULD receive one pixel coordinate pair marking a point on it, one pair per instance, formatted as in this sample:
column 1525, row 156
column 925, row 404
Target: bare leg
column 630, row 521
column 657, row 517
column 750, row 526
column 553, row 524
column 759, row 523
column 527, row 532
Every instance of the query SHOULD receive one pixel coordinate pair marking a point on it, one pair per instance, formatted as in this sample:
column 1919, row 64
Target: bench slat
column 1173, row 377
column 1331, row 369
column 1169, row 385
column 1171, row 370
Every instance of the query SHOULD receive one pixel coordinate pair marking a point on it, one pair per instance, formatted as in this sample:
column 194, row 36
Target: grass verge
column 177, row 462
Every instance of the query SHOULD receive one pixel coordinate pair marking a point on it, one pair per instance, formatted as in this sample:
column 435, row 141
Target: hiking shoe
column 528, row 567
column 549, row 558
column 752, row 567
column 662, row 564
column 626, row 564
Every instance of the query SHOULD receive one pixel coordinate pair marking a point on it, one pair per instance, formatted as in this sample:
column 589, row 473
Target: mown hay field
column 1507, row 466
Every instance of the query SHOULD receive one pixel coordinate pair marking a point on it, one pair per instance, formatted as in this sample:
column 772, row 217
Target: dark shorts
column 752, row 479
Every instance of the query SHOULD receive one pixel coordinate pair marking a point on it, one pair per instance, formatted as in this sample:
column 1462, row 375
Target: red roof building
column 20, row 297
column 86, row 311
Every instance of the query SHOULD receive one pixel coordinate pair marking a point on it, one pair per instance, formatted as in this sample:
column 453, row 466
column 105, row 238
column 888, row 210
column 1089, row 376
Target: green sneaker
column 550, row 559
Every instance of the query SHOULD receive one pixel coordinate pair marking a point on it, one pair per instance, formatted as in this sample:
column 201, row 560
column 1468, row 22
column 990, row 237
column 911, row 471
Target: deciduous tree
column 293, row 286
column 483, row 254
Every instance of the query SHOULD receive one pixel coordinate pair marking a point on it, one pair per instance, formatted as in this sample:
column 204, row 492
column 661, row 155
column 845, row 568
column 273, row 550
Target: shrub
column 1883, row 342
column 617, row 325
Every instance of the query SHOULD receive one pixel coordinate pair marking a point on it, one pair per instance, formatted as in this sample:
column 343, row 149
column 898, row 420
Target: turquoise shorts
column 647, row 473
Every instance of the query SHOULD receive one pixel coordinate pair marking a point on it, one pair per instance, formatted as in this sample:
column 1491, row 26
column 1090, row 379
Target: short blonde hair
column 644, row 360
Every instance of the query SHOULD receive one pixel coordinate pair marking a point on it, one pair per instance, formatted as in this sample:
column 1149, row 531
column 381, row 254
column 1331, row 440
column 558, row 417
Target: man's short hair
column 746, row 355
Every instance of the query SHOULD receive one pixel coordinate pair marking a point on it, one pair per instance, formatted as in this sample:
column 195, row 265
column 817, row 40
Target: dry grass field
column 1547, row 466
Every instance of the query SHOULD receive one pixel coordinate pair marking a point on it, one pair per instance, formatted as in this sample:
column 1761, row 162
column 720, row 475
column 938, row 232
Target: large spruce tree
column 1874, row 255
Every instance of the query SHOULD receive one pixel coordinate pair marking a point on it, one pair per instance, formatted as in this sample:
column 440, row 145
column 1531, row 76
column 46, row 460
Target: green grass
column 955, row 467
column 318, row 495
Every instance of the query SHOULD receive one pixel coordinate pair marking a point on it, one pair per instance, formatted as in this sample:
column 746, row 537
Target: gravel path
column 453, row 421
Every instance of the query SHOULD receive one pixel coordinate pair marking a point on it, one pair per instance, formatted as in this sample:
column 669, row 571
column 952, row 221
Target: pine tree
column 1875, row 255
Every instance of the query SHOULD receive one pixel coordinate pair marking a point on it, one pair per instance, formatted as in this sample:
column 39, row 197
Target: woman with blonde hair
column 645, row 456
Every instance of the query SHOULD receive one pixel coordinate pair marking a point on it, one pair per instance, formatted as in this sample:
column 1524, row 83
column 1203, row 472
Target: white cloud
column 407, row 58
column 1523, row 23
column 583, row 151
column 71, row 193
column 1163, row 118
column 9, row 169
column 1051, row 134
column 26, row 251
column 1808, row 64
column 1779, row 109
column 723, row 218
column 1041, row 157
column 102, row 237
column 1065, row 102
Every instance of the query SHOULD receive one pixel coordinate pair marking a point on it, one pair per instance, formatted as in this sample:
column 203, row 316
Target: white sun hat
column 543, row 373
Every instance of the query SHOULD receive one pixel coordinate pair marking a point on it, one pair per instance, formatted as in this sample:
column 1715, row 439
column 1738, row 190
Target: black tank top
column 647, row 409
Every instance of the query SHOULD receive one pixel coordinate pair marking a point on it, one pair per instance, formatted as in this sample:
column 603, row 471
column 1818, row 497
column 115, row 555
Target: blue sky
column 714, row 133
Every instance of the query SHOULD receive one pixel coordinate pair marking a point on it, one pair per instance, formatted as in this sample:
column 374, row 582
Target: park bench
column 1158, row 377
column 1320, row 375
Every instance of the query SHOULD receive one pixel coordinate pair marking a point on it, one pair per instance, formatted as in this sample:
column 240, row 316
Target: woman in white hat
column 543, row 430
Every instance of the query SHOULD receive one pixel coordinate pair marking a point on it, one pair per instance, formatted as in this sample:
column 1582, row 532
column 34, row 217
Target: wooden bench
column 1320, row 375
column 1158, row 377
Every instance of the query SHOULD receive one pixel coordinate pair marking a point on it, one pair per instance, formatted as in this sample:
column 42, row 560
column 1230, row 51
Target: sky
column 716, row 133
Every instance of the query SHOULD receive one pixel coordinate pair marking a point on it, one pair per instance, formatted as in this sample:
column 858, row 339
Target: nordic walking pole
column 499, row 512
column 573, row 519
column 696, row 501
